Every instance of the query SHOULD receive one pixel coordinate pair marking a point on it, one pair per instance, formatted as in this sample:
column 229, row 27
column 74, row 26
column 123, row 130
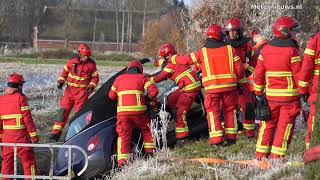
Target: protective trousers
column 275, row 134
column 242, row 101
column 310, row 124
column 182, row 101
column 27, row 157
column 73, row 97
column 125, row 126
column 212, row 104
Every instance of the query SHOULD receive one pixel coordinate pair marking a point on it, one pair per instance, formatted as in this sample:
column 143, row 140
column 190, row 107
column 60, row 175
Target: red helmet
column 84, row 49
column 135, row 63
column 215, row 31
column 15, row 78
column 234, row 24
column 166, row 49
column 284, row 25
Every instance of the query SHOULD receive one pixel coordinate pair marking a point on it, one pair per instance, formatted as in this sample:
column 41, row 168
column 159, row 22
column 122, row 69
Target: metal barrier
column 50, row 146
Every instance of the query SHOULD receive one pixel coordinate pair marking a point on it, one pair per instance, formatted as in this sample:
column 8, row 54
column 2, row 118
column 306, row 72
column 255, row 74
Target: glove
column 260, row 98
column 262, row 110
column 35, row 139
column 153, row 106
column 145, row 60
column 90, row 90
column 153, row 111
column 304, row 103
column 60, row 85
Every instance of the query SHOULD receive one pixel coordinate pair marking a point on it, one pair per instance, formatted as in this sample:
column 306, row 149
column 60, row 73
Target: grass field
column 61, row 61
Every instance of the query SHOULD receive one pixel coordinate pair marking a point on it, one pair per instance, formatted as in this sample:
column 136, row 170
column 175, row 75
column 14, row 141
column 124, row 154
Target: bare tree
column 69, row 12
column 94, row 28
column 144, row 17
column 123, row 21
column 2, row 16
column 129, row 26
column 130, row 35
column 207, row 12
column 117, row 21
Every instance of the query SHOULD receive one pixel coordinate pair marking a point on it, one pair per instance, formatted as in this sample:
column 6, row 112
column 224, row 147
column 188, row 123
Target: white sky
column 189, row 2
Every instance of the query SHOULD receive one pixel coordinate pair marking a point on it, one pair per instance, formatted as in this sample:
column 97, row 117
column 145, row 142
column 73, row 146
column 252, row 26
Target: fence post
column 69, row 163
column 51, row 162
column 15, row 160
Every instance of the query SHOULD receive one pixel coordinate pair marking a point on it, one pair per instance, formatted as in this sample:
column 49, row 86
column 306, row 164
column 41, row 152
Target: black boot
column 179, row 143
column 218, row 144
column 229, row 142
column 182, row 141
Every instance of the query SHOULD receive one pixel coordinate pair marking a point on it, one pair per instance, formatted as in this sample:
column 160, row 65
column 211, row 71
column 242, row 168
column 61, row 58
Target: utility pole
column 117, row 22
column 122, row 28
column 144, row 18
column 94, row 29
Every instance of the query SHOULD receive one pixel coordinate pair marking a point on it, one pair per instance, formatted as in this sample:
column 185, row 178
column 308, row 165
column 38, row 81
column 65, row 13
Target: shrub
column 167, row 29
column 58, row 54
column 32, row 55
column 113, row 57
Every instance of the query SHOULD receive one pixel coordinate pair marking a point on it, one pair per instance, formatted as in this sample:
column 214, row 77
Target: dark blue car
column 93, row 128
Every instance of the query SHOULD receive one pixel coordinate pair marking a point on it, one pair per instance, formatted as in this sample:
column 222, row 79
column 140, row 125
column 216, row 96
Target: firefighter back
column 130, row 93
column 281, row 66
column 14, row 128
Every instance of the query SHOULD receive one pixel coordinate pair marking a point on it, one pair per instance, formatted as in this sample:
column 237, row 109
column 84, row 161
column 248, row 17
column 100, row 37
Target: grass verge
column 60, row 61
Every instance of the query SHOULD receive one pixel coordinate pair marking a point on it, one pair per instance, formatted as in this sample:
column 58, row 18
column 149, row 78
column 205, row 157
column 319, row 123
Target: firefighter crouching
column 258, row 42
column 277, row 72
column 81, row 77
column 241, row 44
column 128, row 89
column 221, row 72
column 309, row 76
column 17, row 126
column 189, row 86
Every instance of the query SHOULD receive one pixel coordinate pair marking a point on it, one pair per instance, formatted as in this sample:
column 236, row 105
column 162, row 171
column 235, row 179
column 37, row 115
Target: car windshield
column 78, row 124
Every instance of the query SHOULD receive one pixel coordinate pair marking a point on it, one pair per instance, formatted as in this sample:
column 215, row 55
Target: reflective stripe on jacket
column 221, row 68
column 129, row 90
column 80, row 74
column 16, row 122
column 309, row 74
column 277, row 72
